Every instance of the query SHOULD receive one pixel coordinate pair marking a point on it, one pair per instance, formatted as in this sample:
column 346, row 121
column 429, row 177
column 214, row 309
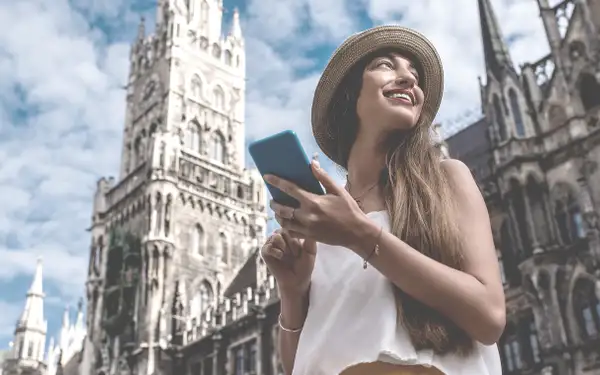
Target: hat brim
column 355, row 49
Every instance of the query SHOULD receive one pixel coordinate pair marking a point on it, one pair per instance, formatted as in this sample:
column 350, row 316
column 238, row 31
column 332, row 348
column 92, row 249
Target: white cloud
column 62, row 68
column 57, row 66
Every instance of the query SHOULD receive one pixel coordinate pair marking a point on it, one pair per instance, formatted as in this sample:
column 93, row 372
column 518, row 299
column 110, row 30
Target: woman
column 432, row 301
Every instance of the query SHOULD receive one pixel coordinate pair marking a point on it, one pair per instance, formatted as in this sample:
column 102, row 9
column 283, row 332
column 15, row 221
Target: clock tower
column 184, row 214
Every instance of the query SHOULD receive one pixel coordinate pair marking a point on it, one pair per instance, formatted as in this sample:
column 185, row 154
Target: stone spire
column 30, row 333
column 236, row 28
column 497, row 58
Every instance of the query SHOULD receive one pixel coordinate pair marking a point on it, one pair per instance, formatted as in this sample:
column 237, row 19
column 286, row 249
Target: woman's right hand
column 290, row 260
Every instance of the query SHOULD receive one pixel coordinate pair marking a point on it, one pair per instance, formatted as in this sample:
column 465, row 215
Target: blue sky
column 62, row 66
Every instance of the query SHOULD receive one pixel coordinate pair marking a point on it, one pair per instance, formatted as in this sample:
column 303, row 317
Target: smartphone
column 282, row 155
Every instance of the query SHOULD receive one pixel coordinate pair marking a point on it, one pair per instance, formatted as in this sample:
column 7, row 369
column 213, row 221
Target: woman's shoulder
column 459, row 177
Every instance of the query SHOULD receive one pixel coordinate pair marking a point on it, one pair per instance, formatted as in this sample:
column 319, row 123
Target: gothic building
column 185, row 216
column 28, row 354
column 535, row 154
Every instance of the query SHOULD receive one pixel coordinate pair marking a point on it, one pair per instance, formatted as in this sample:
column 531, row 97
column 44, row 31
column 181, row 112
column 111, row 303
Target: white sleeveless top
column 352, row 318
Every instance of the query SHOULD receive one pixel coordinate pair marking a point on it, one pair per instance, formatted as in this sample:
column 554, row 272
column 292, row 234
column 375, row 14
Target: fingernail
column 316, row 164
column 277, row 253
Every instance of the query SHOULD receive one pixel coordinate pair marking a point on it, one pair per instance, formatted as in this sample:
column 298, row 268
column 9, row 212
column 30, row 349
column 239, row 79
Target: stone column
column 260, row 323
column 216, row 348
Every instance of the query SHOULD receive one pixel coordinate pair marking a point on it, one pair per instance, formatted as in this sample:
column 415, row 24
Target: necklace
column 358, row 199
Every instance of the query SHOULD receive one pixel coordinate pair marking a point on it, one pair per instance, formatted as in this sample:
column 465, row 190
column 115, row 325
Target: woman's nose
column 405, row 81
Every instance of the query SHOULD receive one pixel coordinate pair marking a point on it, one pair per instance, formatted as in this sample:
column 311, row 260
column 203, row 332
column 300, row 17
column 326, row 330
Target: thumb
column 325, row 179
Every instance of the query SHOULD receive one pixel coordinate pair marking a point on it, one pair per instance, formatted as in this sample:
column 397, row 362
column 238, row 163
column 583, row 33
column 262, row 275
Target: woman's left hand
column 333, row 218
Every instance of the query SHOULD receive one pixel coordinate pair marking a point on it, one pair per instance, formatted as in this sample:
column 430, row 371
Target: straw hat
column 357, row 47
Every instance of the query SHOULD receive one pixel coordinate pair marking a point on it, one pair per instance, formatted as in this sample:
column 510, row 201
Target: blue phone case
column 282, row 155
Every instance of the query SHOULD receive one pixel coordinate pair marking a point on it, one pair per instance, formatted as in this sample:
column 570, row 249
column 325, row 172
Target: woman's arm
column 293, row 314
column 473, row 299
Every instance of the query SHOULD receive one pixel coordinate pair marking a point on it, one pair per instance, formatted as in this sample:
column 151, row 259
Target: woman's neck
column 365, row 163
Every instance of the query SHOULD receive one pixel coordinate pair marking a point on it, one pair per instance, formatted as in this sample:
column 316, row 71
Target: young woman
column 431, row 301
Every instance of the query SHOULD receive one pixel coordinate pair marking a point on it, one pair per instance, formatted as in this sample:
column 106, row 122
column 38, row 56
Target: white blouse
column 352, row 318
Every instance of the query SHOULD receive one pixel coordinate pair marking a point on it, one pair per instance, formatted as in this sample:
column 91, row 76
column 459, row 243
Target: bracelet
column 375, row 249
column 288, row 329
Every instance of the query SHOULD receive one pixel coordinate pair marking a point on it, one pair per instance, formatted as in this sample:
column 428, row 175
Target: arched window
column 537, row 204
column 509, row 256
column 206, row 295
column 224, row 243
column 30, row 350
column 589, row 90
column 517, row 203
column 216, row 50
column 511, row 350
column 198, row 244
column 533, row 348
column 516, row 112
column 217, row 151
column 228, row 57
column 204, row 13
column 194, row 133
column 567, row 214
column 219, row 98
column 196, row 86
column 499, row 117
column 587, row 308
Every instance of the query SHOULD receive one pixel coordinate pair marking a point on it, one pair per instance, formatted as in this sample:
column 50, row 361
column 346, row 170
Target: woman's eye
column 386, row 64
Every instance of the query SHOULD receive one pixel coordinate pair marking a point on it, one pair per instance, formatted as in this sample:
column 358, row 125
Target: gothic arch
column 219, row 97
column 586, row 306
column 198, row 237
column 204, row 14
column 197, row 85
column 567, row 213
column 537, row 197
column 228, row 57
column 516, row 201
column 224, row 244
column 218, row 147
column 589, row 91
column 499, row 118
column 194, row 136
column 510, row 348
column 517, row 113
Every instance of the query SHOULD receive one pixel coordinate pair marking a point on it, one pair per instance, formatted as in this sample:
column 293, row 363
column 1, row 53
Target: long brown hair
column 419, row 201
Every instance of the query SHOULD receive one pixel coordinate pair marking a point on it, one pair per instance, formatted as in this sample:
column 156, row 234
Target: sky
column 63, row 64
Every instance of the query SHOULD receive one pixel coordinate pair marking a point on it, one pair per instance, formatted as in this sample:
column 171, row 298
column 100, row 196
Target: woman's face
column 390, row 97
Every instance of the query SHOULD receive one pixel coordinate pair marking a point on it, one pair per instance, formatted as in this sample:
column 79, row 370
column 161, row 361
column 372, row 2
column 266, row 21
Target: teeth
column 397, row 95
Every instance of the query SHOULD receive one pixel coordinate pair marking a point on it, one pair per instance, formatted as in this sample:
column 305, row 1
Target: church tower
column 29, row 342
column 184, row 214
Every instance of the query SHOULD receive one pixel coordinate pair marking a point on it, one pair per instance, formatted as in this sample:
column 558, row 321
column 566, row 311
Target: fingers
column 331, row 187
column 290, row 225
column 288, row 187
column 282, row 211
column 292, row 244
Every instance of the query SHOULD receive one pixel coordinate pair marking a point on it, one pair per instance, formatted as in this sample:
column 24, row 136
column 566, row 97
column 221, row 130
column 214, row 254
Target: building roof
column 472, row 146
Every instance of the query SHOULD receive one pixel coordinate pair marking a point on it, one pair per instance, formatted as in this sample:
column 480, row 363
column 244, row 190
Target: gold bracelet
column 375, row 249
column 288, row 329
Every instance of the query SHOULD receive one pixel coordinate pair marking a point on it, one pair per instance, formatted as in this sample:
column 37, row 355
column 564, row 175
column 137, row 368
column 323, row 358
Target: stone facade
column 185, row 215
column 535, row 154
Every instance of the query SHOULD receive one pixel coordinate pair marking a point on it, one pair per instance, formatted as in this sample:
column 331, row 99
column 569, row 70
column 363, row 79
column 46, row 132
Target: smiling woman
column 433, row 301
